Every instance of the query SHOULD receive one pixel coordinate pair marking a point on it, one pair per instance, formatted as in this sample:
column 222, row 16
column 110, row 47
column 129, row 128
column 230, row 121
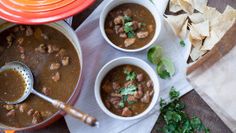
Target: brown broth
column 117, row 75
column 39, row 63
column 140, row 14
column 12, row 86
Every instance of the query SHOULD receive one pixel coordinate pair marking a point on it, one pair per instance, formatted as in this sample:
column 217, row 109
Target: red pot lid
column 40, row 11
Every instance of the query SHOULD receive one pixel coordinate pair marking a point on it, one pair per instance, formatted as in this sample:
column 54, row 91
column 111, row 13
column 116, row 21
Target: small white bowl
column 146, row 3
column 123, row 61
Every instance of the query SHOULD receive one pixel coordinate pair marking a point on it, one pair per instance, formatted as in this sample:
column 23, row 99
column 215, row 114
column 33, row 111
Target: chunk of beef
column 56, row 77
column 8, row 106
column 142, row 34
column 44, row 36
column 138, row 94
column 22, row 28
column 135, row 25
column 131, row 98
column 23, row 107
column 9, row 39
column 115, row 85
column 55, row 66
column 11, row 113
column 21, row 49
column 149, row 84
column 116, row 95
column 117, row 29
column 46, row 114
column 123, row 35
column 115, row 101
column 30, row 112
column 61, row 53
column 126, row 112
column 107, row 104
column 129, row 41
column 65, row 61
column 28, row 31
column 37, row 118
column 110, row 24
column 146, row 98
column 41, row 48
column 140, row 77
column 129, row 83
column 22, row 56
column 52, row 48
column 119, row 20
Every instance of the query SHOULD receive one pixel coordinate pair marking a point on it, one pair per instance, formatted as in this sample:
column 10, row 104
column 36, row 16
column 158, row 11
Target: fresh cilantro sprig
column 130, row 75
column 182, row 43
column 176, row 120
column 130, row 90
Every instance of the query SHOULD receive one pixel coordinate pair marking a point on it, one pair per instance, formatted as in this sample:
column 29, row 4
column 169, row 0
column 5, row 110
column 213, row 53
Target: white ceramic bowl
column 146, row 3
column 122, row 61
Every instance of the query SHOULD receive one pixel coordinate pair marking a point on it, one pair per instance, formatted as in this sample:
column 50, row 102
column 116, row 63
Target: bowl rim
column 107, row 67
column 153, row 10
column 77, row 89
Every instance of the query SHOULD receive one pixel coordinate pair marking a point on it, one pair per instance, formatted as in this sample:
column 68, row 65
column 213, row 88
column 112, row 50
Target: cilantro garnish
column 128, row 27
column 130, row 75
column 130, row 90
column 176, row 120
column 182, row 43
column 127, row 19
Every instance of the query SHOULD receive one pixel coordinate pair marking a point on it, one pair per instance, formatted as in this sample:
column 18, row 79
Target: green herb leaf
column 130, row 75
column 131, row 34
column 127, row 19
column 128, row 27
column 131, row 102
column 130, row 90
column 182, row 43
column 121, row 104
column 154, row 54
column 174, row 94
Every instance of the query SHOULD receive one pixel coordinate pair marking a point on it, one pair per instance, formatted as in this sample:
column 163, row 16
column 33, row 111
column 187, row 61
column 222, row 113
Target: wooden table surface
column 195, row 105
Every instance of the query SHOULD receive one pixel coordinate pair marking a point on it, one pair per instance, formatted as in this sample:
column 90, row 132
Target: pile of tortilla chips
column 203, row 25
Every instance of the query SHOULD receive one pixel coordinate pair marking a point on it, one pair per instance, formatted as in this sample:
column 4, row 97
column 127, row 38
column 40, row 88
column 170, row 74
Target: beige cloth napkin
column 216, row 82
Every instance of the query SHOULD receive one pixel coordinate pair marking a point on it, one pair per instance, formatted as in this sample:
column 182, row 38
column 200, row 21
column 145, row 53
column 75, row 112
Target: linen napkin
column 97, row 52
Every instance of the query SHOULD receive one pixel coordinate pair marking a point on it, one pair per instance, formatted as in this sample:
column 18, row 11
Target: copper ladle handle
column 76, row 113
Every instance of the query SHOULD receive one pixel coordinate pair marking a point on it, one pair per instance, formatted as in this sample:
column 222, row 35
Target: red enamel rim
column 40, row 11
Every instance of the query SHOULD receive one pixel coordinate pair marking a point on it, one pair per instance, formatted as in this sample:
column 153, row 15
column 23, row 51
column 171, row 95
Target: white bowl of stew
column 130, row 25
column 38, row 46
column 126, row 88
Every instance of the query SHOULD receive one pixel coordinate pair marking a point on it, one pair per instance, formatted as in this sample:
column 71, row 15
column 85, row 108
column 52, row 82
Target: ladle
column 29, row 80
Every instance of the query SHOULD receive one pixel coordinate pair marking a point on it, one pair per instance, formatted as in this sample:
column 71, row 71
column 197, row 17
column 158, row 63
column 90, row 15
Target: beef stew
column 127, row 90
column 54, row 63
column 130, row 26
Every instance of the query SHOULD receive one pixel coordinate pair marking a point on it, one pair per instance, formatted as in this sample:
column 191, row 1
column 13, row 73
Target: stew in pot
column 54, row 63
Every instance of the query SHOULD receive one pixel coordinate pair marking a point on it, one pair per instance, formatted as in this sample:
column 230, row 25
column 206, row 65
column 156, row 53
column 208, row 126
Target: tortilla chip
column 229, row 13
column 195, row 34
column 176, row 22
column 196, row 53
column 186, row 6
column 210, row 41
column 174, row 6
column 199, row 5
column 183, row 31
column 194, row 42
column 210, row 13
column 202, row 28
column 196, row 18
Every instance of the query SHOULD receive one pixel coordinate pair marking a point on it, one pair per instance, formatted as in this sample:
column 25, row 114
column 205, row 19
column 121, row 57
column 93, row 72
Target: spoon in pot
column 26, row 74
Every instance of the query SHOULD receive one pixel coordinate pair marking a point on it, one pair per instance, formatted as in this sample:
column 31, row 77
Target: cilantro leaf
column 182, row 43
column 131, row 34
column 130, row 90
column 173, row 93
column 128, row 27
column 122, row 104
column 127, row 19
column 130, row 75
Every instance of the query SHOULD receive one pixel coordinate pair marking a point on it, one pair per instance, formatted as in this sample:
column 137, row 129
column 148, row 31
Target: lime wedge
column 154, row 54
